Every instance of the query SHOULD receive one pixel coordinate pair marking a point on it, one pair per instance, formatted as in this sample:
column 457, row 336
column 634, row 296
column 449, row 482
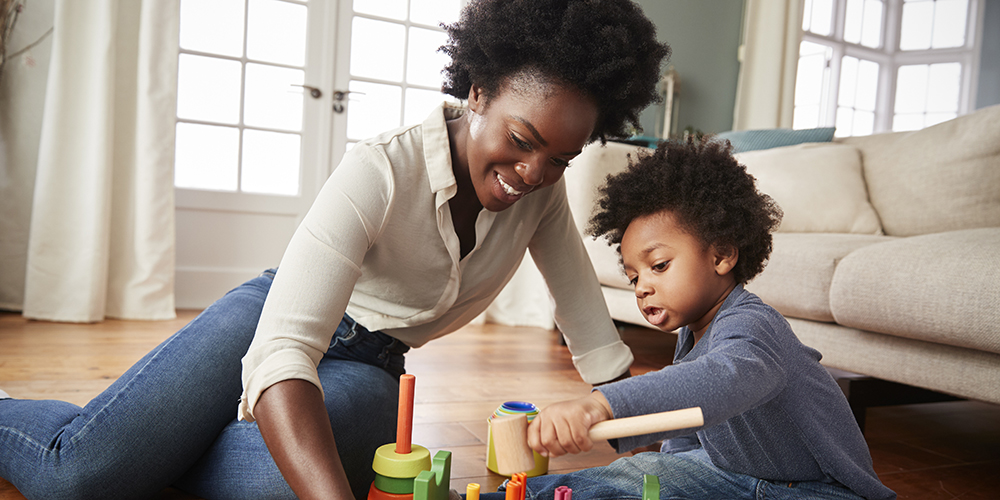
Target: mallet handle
column 647, row 424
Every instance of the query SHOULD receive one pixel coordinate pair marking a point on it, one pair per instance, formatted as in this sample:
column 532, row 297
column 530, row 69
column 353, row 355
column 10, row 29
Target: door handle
column 338, row 99
column 313, row 91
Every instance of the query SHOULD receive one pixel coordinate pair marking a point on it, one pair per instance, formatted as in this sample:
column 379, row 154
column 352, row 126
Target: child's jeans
column 170, row 419
column 688, row 475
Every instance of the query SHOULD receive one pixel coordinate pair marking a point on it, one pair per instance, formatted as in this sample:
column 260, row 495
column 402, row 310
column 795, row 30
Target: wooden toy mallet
column 510, row 434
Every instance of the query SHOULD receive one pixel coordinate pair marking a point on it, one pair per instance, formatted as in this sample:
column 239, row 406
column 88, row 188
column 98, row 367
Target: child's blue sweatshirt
column 771, row 410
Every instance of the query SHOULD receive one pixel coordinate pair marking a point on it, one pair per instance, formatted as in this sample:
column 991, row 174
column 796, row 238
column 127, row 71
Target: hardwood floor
column 929, row 451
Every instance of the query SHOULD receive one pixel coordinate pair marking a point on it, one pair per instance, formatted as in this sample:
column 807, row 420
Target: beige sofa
column 888, row 257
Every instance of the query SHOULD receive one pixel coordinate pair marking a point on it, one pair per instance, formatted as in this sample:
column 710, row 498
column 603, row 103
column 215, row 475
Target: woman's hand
column 564, row 427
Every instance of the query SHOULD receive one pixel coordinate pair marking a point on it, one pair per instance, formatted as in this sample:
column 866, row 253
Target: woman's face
column 523, row 138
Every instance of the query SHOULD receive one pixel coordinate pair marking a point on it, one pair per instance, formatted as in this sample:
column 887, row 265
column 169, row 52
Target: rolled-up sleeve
column 317, row 275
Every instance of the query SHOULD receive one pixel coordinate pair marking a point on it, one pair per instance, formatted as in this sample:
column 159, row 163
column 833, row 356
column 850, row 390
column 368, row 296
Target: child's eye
column 520, row 142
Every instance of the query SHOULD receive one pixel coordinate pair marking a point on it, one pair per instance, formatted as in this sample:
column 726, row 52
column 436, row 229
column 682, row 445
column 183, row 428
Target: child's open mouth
column 655, row 315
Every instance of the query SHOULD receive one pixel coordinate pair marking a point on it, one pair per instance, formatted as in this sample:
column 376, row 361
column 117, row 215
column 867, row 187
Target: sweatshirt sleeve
column 580, row 310
column 317, row 275
column 741, row 370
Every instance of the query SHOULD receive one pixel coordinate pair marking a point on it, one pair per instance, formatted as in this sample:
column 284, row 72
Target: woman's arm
column 296, row 430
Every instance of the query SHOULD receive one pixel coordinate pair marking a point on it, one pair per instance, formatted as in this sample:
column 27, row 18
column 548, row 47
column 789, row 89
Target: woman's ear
column 477, row 99
column 725, row 258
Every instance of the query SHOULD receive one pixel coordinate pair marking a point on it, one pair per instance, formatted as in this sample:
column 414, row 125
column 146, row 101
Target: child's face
column 678, row 282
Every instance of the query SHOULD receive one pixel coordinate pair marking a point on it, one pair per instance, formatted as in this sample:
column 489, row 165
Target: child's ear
column 725, row 258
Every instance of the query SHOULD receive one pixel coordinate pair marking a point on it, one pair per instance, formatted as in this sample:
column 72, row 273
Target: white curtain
column 101, row 240
column 765, row 91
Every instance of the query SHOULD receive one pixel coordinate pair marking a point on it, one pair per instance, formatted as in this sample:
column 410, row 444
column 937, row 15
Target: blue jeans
column 169, row 420
column 685, row 475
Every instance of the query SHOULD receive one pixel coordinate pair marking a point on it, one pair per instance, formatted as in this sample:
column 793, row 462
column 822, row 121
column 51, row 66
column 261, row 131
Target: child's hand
column 564, row 427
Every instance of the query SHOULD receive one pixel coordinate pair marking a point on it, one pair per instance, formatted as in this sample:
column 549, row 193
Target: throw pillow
column 754, row 140
column 819, row 187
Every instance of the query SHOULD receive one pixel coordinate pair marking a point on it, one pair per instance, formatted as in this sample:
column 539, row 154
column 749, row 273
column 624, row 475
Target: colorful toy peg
column 434, row 484
column 472, row 491
column 563, row 493
column 404, row 419
column 650, row 487
column 515, row 490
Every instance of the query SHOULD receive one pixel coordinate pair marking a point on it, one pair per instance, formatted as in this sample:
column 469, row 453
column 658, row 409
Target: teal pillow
column 752, row 140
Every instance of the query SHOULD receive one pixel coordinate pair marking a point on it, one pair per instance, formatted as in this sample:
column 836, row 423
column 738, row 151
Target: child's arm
column 564, row 427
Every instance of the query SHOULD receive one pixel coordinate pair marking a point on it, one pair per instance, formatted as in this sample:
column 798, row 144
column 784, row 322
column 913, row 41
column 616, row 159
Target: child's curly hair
column 605, row 48
column 711, row 195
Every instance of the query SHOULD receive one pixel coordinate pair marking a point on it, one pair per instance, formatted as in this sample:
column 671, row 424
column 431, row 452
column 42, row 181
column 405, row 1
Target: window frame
column 890, row 58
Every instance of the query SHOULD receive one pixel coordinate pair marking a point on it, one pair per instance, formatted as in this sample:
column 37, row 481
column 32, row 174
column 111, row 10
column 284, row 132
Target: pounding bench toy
column 510, row 434
column 403, row 470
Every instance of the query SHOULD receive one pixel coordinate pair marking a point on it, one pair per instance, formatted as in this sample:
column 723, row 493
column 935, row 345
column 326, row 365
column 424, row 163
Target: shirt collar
column 437, row 148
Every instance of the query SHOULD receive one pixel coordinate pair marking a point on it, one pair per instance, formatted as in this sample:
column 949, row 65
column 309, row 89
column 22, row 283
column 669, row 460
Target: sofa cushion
column 588, row 171
column 753, row 140
column 942, row 287
column 941, row 178
column 819, row 187
column 797, row 278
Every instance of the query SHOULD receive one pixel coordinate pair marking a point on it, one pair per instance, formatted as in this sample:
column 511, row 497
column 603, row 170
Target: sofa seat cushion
column 797, row 278
column 941, row 178
column 942, row 287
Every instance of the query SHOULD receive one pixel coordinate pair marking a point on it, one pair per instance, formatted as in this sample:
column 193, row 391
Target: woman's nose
column 532, row 173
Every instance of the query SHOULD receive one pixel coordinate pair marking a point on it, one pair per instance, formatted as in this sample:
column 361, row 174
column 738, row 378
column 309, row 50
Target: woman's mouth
column 507, row 192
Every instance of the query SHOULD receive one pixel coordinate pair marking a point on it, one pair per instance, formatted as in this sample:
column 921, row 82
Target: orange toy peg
column 404, row 419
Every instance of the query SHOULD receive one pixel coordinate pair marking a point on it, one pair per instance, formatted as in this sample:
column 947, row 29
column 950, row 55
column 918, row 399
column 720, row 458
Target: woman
column 412, row 236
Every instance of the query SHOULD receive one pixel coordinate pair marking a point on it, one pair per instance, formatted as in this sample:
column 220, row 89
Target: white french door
column 270, row 95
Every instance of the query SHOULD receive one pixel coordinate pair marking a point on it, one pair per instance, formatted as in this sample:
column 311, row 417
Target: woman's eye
column 632, row 281
column 559, row 162
column 519, row 142
column 661, row 266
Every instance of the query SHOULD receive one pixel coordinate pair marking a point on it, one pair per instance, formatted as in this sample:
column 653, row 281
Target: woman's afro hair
column 708, row 192
column 605, row 48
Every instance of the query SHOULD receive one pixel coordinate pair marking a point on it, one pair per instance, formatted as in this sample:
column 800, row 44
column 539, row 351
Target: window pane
column 276, row 32
column 867, row 85
column 377, row 49
column 208, row 89
column 420, row 103
column 214, row 26
column 853, row 20
column 949, row 23
column 424, row 62
column 270, row 163
column 935, row 118
column 871, row 35
column 943, row 84
column 911, row 89
column 822, row 17
column 845, row 120
column 393, row 9
column 918, row 18
column 206, row 157
column 434, row 12
column 377, row 111
column 848, row 81
column 810, row 79
column 864, row 123
column 806, row 14
column 805, row 117
column 909, row 121
column 271, row 100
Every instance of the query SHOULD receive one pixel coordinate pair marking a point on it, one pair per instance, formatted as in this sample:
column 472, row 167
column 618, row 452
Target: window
column 239, row 97
column 869, row 66
column 395, row 65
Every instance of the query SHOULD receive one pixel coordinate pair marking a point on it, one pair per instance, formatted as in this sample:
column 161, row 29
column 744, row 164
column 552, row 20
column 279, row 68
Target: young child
column 692, row 230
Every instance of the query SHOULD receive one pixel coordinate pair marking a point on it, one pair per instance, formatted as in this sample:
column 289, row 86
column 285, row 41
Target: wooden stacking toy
column 510, row 444
column 515, row 429
column 403, row 470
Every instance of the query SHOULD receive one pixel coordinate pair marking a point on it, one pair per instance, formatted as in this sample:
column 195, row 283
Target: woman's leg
column 150, row 426
column 360, row 376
